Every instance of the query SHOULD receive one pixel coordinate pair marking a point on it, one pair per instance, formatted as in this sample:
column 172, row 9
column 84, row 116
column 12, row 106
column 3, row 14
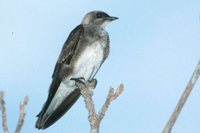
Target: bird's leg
column 79, row 80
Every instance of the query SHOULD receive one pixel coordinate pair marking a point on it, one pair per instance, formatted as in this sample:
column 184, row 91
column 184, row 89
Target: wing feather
column 61, row 70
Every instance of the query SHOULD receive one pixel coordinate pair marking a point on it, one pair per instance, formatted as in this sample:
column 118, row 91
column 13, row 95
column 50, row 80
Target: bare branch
column 22, row 114
column 111, row 96
column 4, row 115
column 87, row 93
column 183, row 99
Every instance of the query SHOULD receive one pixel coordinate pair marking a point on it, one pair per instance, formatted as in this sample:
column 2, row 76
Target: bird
column 82, row 54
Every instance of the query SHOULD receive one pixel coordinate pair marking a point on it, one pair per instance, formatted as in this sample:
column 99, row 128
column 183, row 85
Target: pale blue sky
column 155, row 46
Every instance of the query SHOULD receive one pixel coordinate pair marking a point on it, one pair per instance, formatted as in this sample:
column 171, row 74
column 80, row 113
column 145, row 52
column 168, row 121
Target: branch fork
column 4, row 114
column 87, row 93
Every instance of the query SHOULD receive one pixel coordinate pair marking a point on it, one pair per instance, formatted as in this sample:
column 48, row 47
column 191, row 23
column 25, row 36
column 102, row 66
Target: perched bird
column 82, row 55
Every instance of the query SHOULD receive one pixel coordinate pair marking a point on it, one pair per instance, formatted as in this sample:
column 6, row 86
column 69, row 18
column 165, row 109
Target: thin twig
column 22, row 114
column 4, row 115
column 87, row 93
column 111, row 96
column 183, row 99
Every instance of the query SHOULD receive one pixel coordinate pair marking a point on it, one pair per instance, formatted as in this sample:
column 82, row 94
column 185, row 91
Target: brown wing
column 61, row 69
column 68, row 49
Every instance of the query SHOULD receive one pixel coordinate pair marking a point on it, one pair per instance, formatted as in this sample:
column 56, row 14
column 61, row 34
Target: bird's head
column 98, row 18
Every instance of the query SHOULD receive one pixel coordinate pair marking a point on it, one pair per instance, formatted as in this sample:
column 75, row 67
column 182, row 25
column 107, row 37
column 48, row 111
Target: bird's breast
column 89, row 61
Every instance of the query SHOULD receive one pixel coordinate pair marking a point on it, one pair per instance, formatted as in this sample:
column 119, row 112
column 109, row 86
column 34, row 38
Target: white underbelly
column 86, row 66
column 89, row 62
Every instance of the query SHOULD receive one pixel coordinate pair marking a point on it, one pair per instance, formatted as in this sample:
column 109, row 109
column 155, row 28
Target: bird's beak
column 111, row 18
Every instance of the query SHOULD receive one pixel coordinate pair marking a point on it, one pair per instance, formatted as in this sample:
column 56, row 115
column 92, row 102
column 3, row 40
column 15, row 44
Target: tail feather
column 44, row 120
column 53, row 88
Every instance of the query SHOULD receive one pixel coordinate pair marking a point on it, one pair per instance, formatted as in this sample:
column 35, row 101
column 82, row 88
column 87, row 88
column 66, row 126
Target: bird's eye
column 99, row 15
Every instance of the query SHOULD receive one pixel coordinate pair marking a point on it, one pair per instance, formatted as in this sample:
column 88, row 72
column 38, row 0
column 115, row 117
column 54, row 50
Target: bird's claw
column 80, row 80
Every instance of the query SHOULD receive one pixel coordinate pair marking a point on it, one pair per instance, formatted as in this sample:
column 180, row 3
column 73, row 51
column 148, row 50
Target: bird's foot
column 79, row 80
